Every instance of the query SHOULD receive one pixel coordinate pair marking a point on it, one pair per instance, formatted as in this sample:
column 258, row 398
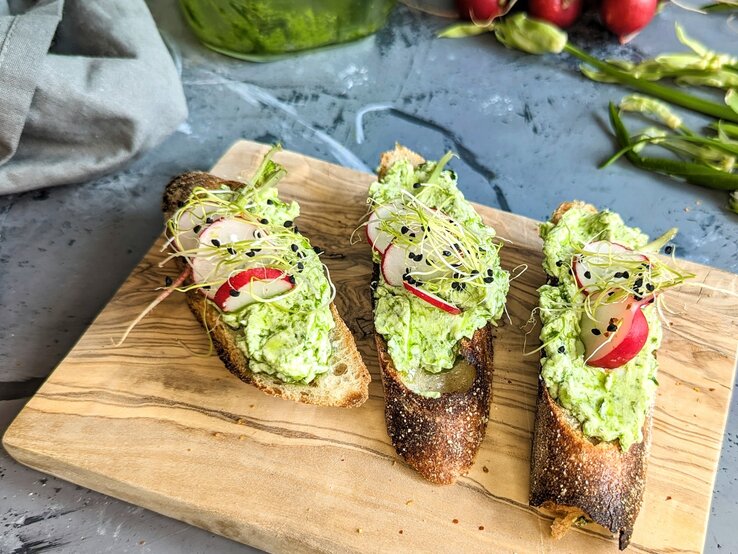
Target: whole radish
column 626, row 18
column 483, row 10
column 562, row 13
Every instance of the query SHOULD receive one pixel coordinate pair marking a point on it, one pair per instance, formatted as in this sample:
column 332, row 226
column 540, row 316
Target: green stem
column 669, row 94
column 696, row 174
column 439, row 167
column 728, row 128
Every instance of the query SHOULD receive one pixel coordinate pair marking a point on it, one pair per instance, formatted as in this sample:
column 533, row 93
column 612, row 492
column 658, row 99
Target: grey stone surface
column 530, row 132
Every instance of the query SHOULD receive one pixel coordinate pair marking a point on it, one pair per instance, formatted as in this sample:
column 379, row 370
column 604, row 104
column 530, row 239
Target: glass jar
column 262, row 29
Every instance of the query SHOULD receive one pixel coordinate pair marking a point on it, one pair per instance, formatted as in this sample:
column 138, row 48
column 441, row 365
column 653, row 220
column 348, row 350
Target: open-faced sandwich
column 438, row 291
column 259, row 288
column 601, row 332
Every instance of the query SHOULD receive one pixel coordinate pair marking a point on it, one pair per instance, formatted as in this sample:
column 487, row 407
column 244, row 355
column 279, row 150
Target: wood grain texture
column 159, row 423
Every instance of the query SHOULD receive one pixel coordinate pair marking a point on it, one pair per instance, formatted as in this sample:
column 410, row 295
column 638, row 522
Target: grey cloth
column 85, row 85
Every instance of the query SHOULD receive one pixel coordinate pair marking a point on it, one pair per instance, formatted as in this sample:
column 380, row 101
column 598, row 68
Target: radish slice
column 615, row 334
column 379, row 240
column 208, row 268
column 600, row 264
column 432, row 299
column 394, row 265
column 190, row 223
column 252, row 285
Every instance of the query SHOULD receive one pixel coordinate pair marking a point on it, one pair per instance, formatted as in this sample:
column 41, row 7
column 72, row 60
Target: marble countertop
column 530, row 132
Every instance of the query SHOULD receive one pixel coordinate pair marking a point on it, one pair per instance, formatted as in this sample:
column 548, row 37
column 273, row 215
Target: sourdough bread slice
column 575, row 477
column 438, row 437
column 346, row 384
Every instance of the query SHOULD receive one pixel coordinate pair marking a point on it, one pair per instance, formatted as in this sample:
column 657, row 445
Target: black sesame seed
column 490, row 272
column 412, row 235
column 649, row 287
column 457, row 275
column 489, row 279
column 562, row 349
column 300, row 266
column 587, row 275
column 215, row 242
column 294, row 247
column 168, row 281
column 234, row 292
column 373, row 285
column 474, row 272
column 256, row 249
column 626, row 275
column 611, row 293
column 263, row 221
column 196, row 229
column 638, row 283
column 418, row 257
column 270, row 202
column 612, row 327
column 206, row 287
column 446, row 253
column 596, row 332
column 296, row 229
column 180, row 204
column 292, row 279
column 417, row 185
column 231, row 251
column 404, row 229
column 559, row 263
column 208, row 220
column 618, row 274
column 288, row 224
column 669, row 249
column 638, row 298
column 251, row 253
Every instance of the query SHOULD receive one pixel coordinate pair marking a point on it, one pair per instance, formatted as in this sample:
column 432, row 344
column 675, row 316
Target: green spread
column 268, row 27
column 420, row 336
column 289, row 337
column 610, row 405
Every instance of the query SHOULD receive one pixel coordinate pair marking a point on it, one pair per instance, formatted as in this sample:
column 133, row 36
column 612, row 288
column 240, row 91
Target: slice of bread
column 573, row 476
column 438, row 437
column 345, row 385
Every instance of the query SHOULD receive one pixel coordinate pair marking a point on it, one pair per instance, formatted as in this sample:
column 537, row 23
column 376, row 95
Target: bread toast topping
column 600, row 327
column 261, row 275
column 441, row 278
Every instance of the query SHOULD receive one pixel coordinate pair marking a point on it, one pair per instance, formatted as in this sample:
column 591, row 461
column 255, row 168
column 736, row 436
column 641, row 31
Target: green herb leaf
column 519, row 32
column 731, row 99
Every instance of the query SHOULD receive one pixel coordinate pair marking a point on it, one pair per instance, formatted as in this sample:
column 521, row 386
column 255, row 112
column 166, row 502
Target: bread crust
column 573, row 476
column 345, row 385
column 439, row 437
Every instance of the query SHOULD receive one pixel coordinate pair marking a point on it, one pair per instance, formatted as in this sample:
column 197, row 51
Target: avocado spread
column 289, row 336
column 610, row 405
column 419, row 335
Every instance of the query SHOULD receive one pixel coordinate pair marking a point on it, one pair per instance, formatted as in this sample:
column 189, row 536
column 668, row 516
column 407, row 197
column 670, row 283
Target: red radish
column 378, row 239
column 483, row 10
column 599, row 264
column 615, row 334
column 251, row 285
column 394, row 265
column 397, row 262
column 210, row 267
column 562, row 13
column 432, row 299
column 190, row 223
column 626, row 18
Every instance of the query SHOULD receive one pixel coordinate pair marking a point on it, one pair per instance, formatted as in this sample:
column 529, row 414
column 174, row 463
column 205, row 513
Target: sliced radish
column 615, row 334
column 432, row 299
column 394, row 265
column 379, row 239
column 398, row 262
column 251, row 285
column 190, row 223
column 600, row 264
column 209, row 268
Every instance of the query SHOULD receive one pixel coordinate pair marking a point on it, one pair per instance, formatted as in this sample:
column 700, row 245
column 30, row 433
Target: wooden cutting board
column 158, row 423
